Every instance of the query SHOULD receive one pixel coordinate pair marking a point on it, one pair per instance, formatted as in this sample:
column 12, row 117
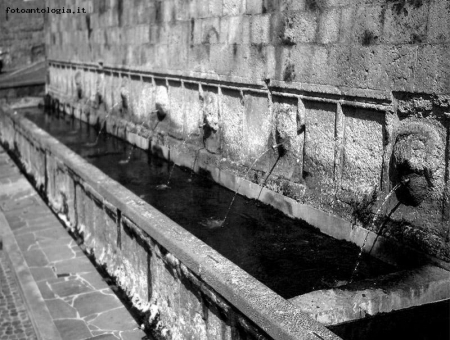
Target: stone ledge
column 239, row 82
column 392, row 292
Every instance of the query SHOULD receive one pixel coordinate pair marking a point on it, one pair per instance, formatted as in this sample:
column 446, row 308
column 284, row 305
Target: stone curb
column 36, row 307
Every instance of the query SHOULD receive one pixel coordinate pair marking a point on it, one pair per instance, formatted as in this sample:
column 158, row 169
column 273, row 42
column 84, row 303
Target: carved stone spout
column 415, row 160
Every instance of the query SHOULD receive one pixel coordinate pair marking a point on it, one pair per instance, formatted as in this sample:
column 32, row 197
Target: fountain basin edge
column 154, row 260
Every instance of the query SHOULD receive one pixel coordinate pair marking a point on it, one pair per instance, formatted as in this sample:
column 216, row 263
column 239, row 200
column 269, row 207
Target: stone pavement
column 15, row 324
column 66, row 296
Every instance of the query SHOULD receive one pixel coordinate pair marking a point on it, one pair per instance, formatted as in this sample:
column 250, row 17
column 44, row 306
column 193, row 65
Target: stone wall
column 343, row 45
column 21, row 34
column 185, row 288
column 355, row 95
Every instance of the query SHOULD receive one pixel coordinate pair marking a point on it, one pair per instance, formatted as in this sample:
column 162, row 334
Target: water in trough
column 287, row 255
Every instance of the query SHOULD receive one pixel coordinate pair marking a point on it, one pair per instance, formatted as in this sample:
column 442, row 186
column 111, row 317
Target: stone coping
column 276, row 316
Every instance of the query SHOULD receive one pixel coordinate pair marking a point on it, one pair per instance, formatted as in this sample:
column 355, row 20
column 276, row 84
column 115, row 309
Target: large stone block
column 294, row 63
column 400, row 63
column 176, row 102
column 134, row 273
column 432, row 70
column 215, row 8
column 192, row 318
column 233, row 7
column 366, row 24
column 99, row 227
column 182, row 9
column 89, row 217
column 193, row 117
column 329, row 26
column 232, row 116
column 80, row 197
column 258, row 125
column 137, row 99
column 254, row 6
column 221, row 59
column 406, row 22
column 148, row 98
column 235, row 29
column 438, row 22
column 201, row 9
column 318, row 166
column 291, row 28
column 260, row 29
column 363, row 148
column 168, row 288
column 366, row 67
column 109, row 235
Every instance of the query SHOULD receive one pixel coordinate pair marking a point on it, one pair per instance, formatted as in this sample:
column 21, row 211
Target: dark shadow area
column 428, row 322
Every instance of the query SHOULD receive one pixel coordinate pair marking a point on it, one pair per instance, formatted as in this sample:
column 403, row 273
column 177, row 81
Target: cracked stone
column 117, row 319
column 72, row 329
column 70, row 287
column 95, row 302
column 58, row 253
column 60, row 309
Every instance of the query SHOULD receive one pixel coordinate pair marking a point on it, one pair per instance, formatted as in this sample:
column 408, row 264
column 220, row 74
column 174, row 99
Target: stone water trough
column 186, row 288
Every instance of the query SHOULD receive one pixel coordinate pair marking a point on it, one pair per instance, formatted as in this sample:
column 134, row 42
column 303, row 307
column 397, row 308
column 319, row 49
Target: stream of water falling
column 127, row 160
column 165, row 186
column 372, row 223
column 216, row 223
column 103, row 126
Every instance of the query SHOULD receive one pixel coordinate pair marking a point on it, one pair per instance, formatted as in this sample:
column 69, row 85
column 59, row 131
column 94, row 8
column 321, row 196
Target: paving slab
column 65, row 297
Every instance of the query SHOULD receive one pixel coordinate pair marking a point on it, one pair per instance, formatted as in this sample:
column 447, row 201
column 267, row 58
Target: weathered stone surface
column 362, row 152
column 22, row 34
column 73, row 329
column 117, row 319
column 60, row 309
column 95, row 302
column 258, row 126
column 367, row 298
column 76, row 265
column 318, row 167
column 35, row 258
column 232, row 116
column 70, row 287
column 58, row 253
